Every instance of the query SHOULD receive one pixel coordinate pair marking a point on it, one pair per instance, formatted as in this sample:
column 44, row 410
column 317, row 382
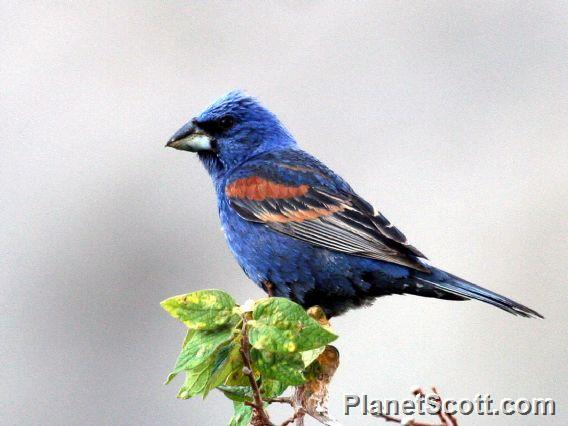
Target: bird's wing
column 294, row 201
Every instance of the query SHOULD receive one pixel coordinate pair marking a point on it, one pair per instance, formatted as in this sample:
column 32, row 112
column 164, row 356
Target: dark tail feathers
column 456, row 286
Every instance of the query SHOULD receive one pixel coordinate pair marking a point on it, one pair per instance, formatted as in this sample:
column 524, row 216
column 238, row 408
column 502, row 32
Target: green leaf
column 203, row 310
column 237, row 393
column 284, row 367
column 209, row 374
column 190, row 333
column 227, row 360
column 237, row 378
column 198, row 348
column 242, row 414
column 272, row 388
column 195, row 380
column 280, row 325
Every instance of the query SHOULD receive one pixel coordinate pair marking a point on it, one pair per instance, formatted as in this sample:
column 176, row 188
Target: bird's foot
column 269, row 288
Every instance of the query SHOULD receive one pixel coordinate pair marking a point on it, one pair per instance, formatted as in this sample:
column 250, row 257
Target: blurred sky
column 449, row 116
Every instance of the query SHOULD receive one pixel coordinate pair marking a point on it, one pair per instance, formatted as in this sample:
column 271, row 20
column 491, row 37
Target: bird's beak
column 191, row 138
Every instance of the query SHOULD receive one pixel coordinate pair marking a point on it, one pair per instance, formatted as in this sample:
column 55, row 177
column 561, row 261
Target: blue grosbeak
column 299, row 230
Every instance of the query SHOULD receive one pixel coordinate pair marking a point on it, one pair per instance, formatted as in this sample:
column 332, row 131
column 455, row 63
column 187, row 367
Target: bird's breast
column 260, row 251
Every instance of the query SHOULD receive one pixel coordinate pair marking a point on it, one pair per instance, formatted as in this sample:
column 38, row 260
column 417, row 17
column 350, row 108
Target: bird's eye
column 226, row 122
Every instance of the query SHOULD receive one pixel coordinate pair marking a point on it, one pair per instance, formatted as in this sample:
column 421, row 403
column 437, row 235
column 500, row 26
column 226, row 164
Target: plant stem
column 260, row 416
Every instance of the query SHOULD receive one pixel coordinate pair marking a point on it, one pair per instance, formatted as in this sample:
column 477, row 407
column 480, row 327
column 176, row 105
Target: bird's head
column 233, row 129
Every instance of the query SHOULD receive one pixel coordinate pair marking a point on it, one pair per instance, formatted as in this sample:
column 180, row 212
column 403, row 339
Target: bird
column 297, row 229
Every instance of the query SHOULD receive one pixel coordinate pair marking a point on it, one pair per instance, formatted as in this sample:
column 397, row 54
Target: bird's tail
column 441, row 281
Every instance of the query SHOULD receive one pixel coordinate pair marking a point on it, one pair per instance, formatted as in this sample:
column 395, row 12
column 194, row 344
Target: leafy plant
column 251, row 353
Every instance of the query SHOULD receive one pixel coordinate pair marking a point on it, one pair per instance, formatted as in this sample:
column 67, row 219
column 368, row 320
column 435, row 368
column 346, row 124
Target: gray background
column 450, row 117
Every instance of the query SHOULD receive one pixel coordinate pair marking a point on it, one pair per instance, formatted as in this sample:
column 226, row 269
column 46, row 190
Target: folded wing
column 332, row 219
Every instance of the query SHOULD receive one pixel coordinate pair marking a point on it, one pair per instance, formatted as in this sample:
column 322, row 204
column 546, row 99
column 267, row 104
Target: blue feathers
column 300, row 231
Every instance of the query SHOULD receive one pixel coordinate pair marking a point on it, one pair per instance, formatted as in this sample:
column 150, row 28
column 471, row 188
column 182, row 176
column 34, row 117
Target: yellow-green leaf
column 237, row 393
column 202, row 310
column 227, row 360
column 195, row 380
column 272, row 388
column 242, row 414
column 280, row 325
column 198, row 348
column 310, row 356
column 286, row 368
